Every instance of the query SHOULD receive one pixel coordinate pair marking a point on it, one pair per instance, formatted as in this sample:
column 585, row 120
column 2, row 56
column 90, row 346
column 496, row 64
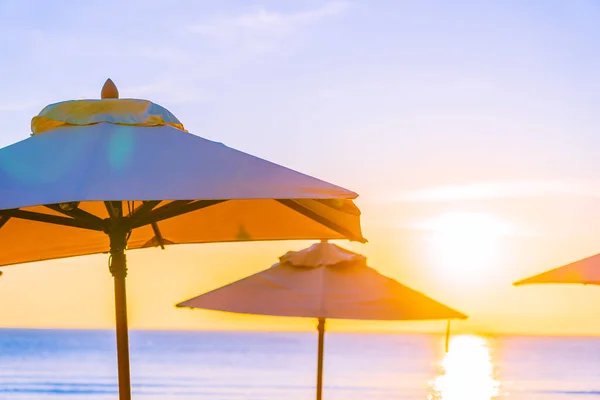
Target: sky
column 468, row 128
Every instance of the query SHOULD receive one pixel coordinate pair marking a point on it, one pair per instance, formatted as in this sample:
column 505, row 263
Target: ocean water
column 74, row 365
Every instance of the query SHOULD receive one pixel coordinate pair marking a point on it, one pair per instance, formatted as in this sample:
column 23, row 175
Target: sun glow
column 465, row 245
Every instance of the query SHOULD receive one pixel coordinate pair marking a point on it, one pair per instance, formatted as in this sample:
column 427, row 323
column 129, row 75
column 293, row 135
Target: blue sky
column 423, row 107
column 508, row 86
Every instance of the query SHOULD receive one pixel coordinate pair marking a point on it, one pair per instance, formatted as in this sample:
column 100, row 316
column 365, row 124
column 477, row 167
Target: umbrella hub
column 118, row 243
column 118, row 233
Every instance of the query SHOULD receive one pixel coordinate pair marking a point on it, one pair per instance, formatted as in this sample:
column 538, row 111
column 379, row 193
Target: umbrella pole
column 447, row 336
column 118, row 269
column 321, row 328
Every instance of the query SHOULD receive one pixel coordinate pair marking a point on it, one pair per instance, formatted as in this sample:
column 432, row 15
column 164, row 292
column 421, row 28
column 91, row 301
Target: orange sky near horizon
column 466, row 259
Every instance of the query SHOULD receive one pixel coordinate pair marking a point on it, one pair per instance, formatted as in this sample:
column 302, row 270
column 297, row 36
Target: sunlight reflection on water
column 466, row 371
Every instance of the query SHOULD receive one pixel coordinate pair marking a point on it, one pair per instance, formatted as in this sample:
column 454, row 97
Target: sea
column 185, row 365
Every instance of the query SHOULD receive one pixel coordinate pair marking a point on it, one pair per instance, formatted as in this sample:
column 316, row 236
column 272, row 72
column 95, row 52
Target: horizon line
column 370, row 332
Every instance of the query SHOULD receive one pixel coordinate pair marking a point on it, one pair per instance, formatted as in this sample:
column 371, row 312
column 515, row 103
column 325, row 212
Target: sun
column 465, row 245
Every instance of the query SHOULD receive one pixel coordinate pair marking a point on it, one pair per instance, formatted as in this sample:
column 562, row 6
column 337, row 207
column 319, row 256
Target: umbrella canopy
column 89, row 151
column 323, row 281
column 585, row 271
column 113, row 174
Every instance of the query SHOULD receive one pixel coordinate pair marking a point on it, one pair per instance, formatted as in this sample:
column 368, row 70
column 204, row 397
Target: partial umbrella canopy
column 107, row 175
column 585, row 271
column 323, row 281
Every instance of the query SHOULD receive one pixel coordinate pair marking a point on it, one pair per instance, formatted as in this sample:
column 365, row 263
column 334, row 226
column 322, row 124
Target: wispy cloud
column 261, row 22
column 502, row 190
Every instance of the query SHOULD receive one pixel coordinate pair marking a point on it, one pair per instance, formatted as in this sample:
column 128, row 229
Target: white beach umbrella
column 323, row 281
column 113, row 174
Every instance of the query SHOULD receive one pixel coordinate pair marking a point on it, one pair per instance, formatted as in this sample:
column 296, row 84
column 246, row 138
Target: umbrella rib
column 171, row 210
column 145, row 208
column 158, row 235
column 339, row 205
column 319, row 218
column 3, row 220
column 79, row 214
column 140, row 219
column 110, row 208
column 50, row 219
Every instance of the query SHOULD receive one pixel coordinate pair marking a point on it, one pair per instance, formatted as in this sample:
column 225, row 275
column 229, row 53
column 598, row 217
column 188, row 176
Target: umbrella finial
column 109, row 90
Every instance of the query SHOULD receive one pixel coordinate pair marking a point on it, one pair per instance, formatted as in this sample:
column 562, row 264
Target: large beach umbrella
column 323, row 281
column 585, row 271
column 108, row 175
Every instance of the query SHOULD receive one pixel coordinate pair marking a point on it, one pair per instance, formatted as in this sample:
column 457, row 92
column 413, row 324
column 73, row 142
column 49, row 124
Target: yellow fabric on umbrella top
column 132, row 112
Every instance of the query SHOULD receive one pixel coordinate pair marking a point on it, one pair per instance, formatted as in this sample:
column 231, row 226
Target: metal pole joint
column 118, row 245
